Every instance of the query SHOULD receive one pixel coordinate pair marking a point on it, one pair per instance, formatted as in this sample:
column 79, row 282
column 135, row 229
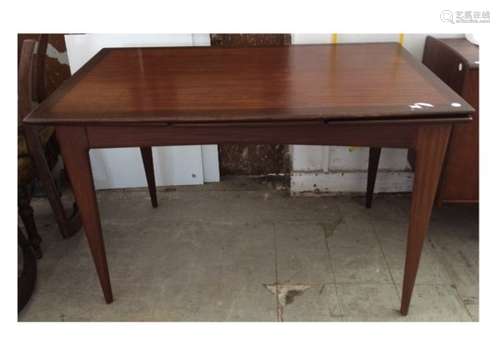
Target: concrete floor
column 243, row 250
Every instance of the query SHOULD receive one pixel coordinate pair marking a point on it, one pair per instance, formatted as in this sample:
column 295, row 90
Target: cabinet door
column 120, row 168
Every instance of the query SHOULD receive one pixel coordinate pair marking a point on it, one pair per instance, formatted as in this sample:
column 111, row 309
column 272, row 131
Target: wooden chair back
column 25, row 76
column 31, row 74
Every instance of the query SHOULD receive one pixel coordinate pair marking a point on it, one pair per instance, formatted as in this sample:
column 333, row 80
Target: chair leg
column 26, row 280
column 68, row 224
column 372, row 174
column 26, row 214
column 147, row 160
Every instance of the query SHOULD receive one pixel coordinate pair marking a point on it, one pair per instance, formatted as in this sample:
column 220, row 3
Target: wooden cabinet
column 456, row 62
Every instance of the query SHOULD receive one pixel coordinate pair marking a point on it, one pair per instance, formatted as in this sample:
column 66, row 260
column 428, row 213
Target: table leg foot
column 431, row 146
column 75, row 151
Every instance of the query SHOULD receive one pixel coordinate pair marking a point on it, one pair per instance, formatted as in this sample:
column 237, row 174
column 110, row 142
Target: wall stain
column 247, row 159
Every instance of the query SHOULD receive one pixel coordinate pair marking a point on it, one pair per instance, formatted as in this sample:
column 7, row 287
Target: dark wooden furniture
column 252, row 159
column 30, row 74
column 347, row 94
column 26, row 270
column 25, row 172
column 33, row 148
column 456, row 62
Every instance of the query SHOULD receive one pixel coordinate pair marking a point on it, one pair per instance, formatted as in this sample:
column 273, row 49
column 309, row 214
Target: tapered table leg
column 147, row 160
column 68, row 224
column 373, row 160
column 430, row 152
column 75, row 151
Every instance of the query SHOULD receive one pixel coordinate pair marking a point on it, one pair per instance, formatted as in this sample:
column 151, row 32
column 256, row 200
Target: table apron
column 375, row 135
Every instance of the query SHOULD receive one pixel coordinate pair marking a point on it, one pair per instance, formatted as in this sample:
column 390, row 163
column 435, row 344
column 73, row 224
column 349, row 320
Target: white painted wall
column 336, row 169
column 119, row 168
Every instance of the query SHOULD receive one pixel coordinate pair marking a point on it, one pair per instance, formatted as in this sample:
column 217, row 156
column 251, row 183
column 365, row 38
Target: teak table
column 373, row 95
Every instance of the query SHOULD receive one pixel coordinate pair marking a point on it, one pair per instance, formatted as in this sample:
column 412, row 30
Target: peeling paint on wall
column 343, row 182
column 248, row 159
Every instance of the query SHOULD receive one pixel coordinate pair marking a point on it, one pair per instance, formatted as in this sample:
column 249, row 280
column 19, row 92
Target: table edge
column 31, row 118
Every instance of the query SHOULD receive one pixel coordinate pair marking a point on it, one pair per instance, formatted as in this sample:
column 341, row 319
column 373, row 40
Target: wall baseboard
column 335, row 183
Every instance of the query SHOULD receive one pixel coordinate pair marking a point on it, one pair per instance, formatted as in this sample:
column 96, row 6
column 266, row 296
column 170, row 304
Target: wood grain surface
column 305, row 82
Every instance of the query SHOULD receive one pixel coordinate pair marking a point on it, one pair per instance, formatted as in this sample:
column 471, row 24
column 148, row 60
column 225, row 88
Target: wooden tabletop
column 295, row 83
